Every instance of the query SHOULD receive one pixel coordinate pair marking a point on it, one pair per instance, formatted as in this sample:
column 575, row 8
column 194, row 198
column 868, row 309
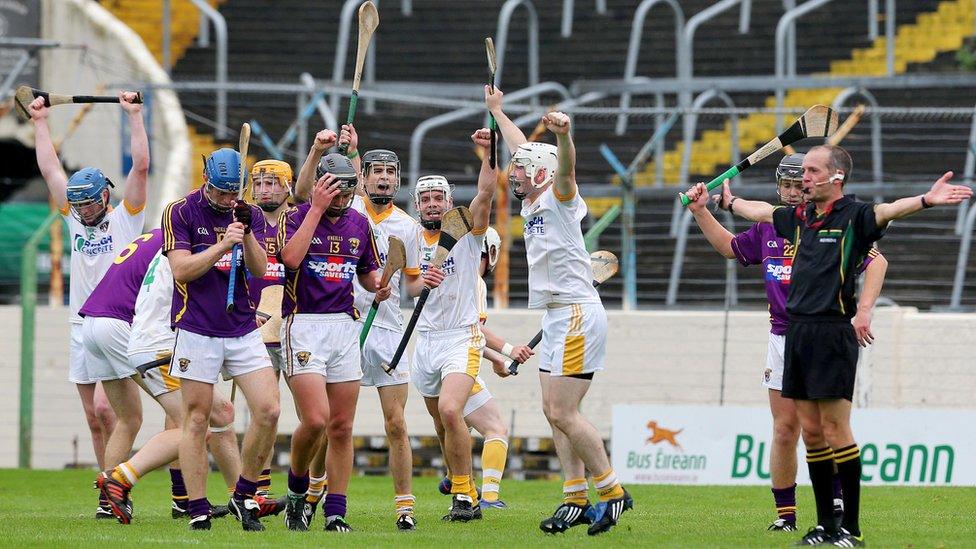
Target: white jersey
column 453, row 304
column 559, row 267
column 392, row 222
column 482, row 300
column 151, row 323
column 94, row 248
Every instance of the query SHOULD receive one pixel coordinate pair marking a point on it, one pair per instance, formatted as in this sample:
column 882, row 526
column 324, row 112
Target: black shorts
column 820, row 360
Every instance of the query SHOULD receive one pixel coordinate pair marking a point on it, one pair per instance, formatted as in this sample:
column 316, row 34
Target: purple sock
column 297, row 484
column 335, row 504
column 102, row 501
column 838, row 491
column 179, row 489
column 245, row 488
column 198, row 507
column 785, row 499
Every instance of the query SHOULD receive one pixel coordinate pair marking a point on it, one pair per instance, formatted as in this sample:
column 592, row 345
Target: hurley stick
column 492, row 124
column 238, row 248
column 818, row 121
column 26, row 95
column 396, row 259
column 369, row 19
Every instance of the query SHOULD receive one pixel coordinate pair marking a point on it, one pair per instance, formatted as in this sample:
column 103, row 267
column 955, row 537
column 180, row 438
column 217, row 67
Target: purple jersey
column 338, row 252
column 199, row 305
column 276, row 270
column 760, row 244
column 115, row 295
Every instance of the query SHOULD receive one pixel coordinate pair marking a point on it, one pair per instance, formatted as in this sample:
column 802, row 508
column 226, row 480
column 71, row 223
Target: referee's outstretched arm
column 941, row 193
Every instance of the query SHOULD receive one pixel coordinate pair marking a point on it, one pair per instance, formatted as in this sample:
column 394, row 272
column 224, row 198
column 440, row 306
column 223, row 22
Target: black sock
column 849, row 470
column 820, row 461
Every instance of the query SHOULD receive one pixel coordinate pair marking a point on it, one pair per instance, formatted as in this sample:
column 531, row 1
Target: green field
column 54, row 508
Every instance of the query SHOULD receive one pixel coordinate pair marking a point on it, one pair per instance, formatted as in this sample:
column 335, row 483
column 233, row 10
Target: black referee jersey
column 829, row 249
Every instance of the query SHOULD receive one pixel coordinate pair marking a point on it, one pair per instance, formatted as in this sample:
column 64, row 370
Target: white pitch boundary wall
column 920, row 360
column 115, row 54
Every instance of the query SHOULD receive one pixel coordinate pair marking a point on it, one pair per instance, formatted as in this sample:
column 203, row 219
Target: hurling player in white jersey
column 97, row 233
column 481, row 412
column 574, row 323
column 447, row 356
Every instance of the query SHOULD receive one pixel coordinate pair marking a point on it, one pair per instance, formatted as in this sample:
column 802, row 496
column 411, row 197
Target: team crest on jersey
column 767, row 374
column 303, row 357
column 104, row 226
column 184, row 364
column 354, row 246
column 535, row 226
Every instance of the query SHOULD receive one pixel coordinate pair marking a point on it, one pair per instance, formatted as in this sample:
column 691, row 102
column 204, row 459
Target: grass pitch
column 55, row 508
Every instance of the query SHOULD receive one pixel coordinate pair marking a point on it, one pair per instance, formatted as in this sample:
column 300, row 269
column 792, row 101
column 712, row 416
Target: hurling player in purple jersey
column 199, row 232
column 324, row 245
column 759, row 244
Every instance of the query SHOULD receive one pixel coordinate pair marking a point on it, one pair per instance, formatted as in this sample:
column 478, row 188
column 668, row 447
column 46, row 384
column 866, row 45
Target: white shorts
column 323, row 344
column 439, row 354
column 157, row 381
column 773, row 375
column 381, row 345
column 574, row 339
column 77, row 372
column 201, row 358
column 480, row 395
column 106, row 341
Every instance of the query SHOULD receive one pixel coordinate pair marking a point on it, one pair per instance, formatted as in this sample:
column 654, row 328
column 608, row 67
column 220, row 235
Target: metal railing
column 501, row 41
column 566, row 28
column 633, row 49
column 965, row 220
column 877, row 169
column 681, row 231
column 220, row 70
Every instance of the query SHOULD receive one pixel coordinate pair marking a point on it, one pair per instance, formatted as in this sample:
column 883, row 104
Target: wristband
column 507, row 349
column 352, row 155
column 926, row 205
column 734, row 198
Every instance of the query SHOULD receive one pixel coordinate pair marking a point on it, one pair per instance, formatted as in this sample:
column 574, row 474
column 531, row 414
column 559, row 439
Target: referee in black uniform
column 832, row 234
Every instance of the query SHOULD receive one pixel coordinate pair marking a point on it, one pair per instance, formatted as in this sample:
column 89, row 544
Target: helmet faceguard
column 539, row 163
column 381, row 187
column 342, row 168
column 222, row 172
column 492, row 248
column 788, row 173
column 426, row 184
column 270, row 184
column 87, row 195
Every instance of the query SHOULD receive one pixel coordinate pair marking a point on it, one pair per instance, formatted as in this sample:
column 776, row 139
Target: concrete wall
column 663, row 357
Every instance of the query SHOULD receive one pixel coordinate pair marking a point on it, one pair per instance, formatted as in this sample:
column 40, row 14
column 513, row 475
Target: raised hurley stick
column 492, row 124
column 369, row 19
column 396, row 259
column 162, row 360
column 238, row 248
column 455, row 223
column 26, row 95
column 604, row 265
column 818, row 121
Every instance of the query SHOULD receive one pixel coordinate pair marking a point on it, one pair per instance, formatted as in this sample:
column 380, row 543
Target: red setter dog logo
column 660, row 434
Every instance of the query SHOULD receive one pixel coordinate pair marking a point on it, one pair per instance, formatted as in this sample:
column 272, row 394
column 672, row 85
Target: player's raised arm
column 511, row 133
column 564, row 184
column 942, row 193
column 47, row 158
column 324, row 140
column 717, row 235
column 753, row 210
column 874, row 275
column 481, row 205
column 138, row 178
column 349, row 137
